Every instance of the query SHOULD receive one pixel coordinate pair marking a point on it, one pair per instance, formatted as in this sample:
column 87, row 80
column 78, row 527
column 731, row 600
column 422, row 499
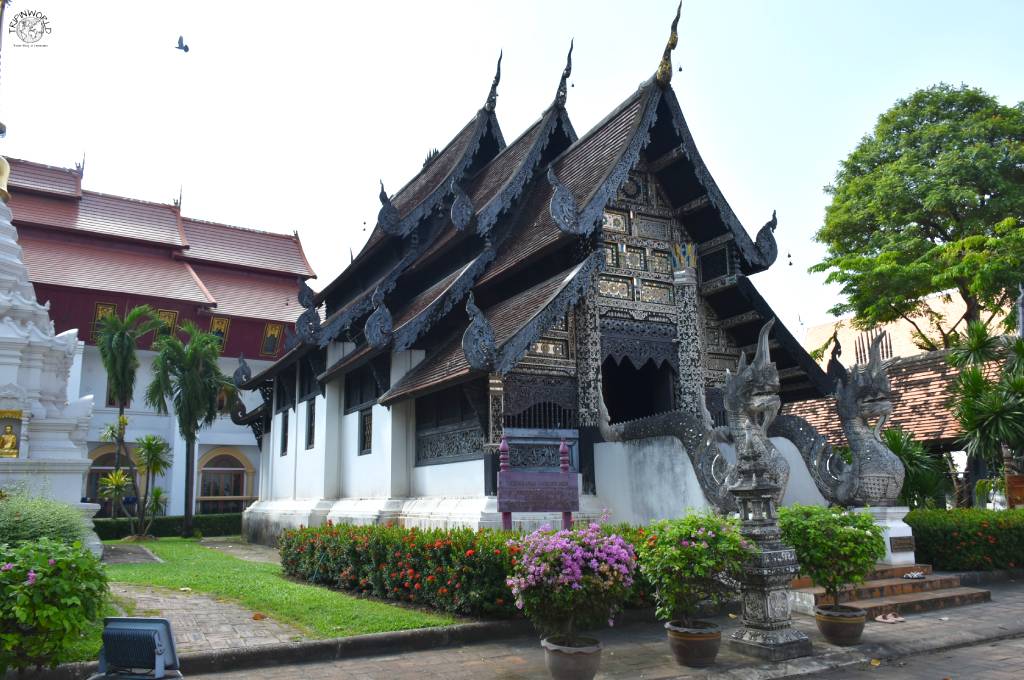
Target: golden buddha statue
column 8, row 443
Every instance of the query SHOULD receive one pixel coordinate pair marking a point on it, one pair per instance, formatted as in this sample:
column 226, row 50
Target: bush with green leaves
column 968, row 539
column 28, row 518
column 49, row 593
column 835, row 547
column 220, row 524
column 692, row 560
column 926, row 481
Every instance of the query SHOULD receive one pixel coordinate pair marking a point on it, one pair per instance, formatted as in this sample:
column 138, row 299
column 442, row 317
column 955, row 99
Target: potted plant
column 567, row 580
column 689, row 562
column 836, row 548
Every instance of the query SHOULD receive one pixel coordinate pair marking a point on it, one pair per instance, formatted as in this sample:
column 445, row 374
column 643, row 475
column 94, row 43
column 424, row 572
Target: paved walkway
column 640, row 652
column 202, row 623
column 1002, row 660
column 251, row 552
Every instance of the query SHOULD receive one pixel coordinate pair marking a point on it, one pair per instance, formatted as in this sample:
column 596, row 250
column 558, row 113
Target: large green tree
column 931, row 201
column 186, row 375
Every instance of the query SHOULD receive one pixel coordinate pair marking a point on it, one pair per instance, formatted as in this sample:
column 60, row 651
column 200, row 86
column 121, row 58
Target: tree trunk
column 142, row 506
column 190, row 482
column 120, row 435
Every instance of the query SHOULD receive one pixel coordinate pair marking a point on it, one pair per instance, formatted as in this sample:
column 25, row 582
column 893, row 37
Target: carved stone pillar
column 496, row 408
column 689, row 344
column 767, row 630
column 588, row 359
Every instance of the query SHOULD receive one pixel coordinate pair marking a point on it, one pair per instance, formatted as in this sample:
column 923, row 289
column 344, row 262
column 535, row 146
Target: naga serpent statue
column 751, row 402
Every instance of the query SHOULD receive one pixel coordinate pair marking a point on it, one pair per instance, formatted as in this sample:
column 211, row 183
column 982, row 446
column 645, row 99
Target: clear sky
column 284, row 115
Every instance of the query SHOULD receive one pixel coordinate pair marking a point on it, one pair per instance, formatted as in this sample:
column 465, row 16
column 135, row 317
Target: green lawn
column 258, row 586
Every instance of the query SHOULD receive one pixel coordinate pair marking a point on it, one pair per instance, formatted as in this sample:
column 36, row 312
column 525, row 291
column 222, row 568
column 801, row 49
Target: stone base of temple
column 264, row 520
column 771, row 645
column 899, row 538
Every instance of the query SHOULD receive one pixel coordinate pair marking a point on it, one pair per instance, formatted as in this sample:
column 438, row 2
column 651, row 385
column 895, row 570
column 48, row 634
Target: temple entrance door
column 631, row 392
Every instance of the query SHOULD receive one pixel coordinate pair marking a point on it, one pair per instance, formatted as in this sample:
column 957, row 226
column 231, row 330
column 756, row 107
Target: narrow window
column 310, row 423
column 284, row 433
column 365, row 431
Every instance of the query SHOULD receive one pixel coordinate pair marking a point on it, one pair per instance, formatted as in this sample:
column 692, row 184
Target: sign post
column 531, row 491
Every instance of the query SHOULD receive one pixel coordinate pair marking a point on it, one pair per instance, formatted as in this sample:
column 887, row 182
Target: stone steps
column 914, row 603
column 881, row 571
column 885, row 591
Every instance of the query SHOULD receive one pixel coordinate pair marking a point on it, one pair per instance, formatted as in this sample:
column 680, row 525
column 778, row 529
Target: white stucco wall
column 465, row 478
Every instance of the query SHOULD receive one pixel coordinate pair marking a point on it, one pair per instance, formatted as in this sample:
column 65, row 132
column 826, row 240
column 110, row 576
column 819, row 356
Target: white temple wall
column 330, row 431
column 646, row 479
column 310, row 480
column 282, row 467
column 465, row 478
column 362, row 476
column 801, row 488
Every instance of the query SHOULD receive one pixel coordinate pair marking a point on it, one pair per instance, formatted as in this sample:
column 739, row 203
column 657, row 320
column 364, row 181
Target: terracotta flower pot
column 696, row 645
column 579, row 661
column 841, row 625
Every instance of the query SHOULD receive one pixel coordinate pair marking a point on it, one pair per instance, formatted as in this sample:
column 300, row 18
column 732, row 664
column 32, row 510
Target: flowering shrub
column 835, row 547
column 458, row 570
column 571, row 578
column 692, row 560
column 969, row 538
column 49, row 592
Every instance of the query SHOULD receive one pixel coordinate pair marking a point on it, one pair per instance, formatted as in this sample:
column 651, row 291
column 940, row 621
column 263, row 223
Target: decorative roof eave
column 485, row 122
column 575, row 286
column 592, row 210
column 819, row 381
column 271, row 371
column 350, row 361
column 240, row 416
column 757, row 256
column 486, row 217
column 505, row 356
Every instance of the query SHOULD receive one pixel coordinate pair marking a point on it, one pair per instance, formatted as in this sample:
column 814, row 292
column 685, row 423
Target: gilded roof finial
column 492, row 97
column 664, row 75
column 563, row 84
column 5, row 174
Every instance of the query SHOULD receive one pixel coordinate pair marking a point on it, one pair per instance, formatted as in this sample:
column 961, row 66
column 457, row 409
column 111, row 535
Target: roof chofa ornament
column 563, row 205
column 388, row 218
column 462, row 207
column 478, row 341
column 492, row 96
column 307, row 326
column 379, row 324
column 563, row 84
column 767, row 249
column 664, row 74
column 243, row 373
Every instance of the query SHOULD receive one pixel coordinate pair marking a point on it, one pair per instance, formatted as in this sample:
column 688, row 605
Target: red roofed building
column 91, row 254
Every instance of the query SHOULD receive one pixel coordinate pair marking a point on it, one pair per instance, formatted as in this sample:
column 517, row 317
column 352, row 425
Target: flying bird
column 181, row 44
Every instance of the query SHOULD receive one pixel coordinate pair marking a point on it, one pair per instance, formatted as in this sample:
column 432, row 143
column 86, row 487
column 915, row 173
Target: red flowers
column 470, row 552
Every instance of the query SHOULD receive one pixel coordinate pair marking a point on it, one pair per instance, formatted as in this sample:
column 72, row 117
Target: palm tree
column 990, row 409
column 118, row 340
column 153, row 454
column 186, row 374
column 113, row 487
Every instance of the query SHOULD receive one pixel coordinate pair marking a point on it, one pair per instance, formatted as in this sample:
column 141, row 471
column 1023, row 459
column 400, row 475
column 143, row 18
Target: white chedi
column 35, row 364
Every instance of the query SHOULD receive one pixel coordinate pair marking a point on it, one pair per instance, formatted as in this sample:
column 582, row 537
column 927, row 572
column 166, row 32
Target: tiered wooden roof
column 519, row 227
column 78, row 239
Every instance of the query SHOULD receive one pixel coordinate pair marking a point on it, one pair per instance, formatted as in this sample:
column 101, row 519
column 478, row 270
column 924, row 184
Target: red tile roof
column 250, row 294
column 44, row 178
column 921, row 393
column 248, row 248
column 101, row 214
column 105, row 267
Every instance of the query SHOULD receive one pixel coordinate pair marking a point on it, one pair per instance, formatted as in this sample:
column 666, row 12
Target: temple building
column 90, row 255
column 504, row 289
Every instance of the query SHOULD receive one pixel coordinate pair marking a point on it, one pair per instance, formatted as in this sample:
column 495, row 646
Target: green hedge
column 227, row 524
column 27, row 518
column 969, row 539
column 454, row 570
